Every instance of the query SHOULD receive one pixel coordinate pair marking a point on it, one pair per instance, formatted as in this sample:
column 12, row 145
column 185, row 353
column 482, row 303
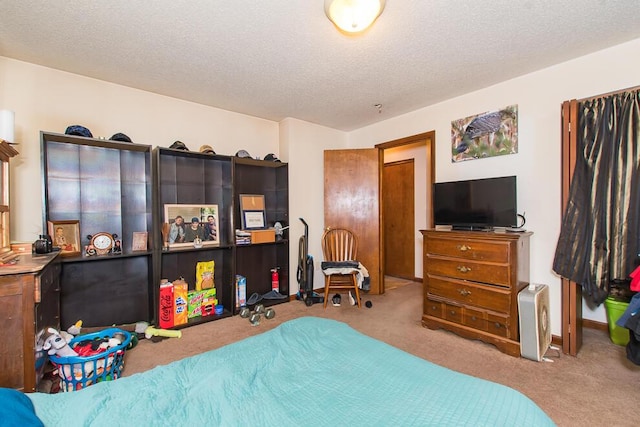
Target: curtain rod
column 591, row 98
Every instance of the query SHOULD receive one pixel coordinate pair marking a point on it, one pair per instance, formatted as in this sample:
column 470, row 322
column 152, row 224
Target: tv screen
column 476, row 204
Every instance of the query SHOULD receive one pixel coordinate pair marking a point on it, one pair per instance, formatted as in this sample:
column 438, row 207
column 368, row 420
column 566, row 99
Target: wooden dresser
column 30, row 301
column 471, row 284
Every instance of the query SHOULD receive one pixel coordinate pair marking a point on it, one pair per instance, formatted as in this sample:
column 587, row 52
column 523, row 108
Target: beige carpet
column 599, row 387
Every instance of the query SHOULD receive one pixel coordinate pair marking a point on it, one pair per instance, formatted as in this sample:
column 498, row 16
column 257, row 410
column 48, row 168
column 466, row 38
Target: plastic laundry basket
column 615, row 309
column 78, row 372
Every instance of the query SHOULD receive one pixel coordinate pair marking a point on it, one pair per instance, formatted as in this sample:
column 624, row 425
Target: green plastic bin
column 615, row 309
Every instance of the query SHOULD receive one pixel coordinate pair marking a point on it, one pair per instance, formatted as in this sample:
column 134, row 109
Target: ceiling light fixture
column 353, row 16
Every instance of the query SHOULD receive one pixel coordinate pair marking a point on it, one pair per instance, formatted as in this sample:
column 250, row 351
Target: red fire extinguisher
column 275, row 280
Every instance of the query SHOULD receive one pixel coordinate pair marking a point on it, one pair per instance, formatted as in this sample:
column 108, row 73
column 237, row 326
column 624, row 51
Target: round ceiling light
column 353, row 16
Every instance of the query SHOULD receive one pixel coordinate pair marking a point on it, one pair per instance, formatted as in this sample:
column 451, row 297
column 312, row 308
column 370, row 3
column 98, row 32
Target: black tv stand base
column 471, row 228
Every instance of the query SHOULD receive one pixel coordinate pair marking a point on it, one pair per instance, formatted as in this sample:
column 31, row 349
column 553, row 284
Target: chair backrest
column 339, row 244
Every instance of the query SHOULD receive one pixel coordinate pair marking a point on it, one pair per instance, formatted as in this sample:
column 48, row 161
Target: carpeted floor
column 599, row 387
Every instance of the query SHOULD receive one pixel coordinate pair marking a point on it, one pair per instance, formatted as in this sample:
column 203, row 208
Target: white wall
column 538, row 161
column 302, row 146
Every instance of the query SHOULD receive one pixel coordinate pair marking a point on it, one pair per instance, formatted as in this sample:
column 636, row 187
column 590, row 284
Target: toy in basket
column 90, row 358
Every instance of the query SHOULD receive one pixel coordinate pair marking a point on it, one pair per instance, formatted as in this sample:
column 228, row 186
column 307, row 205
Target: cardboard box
column 194, row 305
column 209, row 301
column 166, row 305
column 180, row 300
column 241, row 291
column 263, row 236
column 201, row 303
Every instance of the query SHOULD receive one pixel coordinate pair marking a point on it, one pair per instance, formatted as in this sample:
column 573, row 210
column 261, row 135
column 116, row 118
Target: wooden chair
column 338, row 245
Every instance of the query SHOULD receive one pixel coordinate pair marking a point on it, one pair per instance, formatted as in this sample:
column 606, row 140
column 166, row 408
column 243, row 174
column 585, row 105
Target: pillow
column 17, row 409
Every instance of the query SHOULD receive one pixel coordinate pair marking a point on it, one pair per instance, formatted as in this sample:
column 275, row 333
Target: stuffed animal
column 72, row 332
column 75, row 328
column 55, row 344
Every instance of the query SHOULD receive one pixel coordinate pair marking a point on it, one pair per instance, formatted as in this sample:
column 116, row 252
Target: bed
column 307, row 371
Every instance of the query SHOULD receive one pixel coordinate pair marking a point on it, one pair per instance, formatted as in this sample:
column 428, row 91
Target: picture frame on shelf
column 66, row 236
column 180, row 229
column 139, row 241
column 252, row 210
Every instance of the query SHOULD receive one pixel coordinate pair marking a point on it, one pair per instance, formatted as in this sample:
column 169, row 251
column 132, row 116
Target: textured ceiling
column 283, row 58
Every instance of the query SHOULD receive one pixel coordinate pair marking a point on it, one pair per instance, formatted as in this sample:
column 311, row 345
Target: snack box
column 201, row 303
column 209, row 301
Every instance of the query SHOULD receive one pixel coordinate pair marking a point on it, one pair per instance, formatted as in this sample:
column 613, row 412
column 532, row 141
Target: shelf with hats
column 195, row 184
column 100, row 192
column 120, row 194
column 193, row 216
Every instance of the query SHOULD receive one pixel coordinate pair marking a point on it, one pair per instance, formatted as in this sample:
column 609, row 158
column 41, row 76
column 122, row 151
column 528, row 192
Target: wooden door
column 352, row 200
column 571, row 291
column 398, row 193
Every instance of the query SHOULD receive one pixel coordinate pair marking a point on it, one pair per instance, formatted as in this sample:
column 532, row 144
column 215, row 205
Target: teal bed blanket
column 306, row 372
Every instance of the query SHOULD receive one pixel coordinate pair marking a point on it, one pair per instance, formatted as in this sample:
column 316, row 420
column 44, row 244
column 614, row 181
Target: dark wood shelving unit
column 192, row 178
column 122, row 188
column 255, row 261
column 106, row 186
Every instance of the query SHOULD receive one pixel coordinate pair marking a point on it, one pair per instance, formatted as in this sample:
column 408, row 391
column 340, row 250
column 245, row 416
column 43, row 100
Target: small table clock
column 102, row 242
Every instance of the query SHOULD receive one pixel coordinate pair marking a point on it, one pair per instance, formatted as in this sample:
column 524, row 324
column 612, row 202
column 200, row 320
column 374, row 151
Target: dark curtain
column 600, row 228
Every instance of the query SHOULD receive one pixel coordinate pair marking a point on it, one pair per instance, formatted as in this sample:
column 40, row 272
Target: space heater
column 535, row 324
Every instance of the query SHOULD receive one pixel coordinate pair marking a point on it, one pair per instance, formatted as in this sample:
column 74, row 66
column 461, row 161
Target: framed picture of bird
column 485, row 135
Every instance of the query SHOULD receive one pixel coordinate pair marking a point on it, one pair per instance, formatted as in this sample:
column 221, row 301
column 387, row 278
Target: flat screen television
column 476, row 204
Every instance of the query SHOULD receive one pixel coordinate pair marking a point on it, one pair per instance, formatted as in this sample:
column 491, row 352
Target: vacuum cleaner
column 305, row 271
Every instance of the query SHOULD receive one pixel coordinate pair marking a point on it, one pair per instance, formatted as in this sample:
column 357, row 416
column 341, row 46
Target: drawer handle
column 463, row 269
column 474, row 318
column 464, row 248
column 498, row 325
column 453, row 312
column 464, row 292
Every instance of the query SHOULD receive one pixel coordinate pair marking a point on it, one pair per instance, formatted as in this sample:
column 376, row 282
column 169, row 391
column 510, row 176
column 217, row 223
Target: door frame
column 430, row 141
column 410, row 246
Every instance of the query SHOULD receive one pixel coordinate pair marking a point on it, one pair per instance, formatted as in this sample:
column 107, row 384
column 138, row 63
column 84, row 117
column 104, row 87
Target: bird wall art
column 485, row 135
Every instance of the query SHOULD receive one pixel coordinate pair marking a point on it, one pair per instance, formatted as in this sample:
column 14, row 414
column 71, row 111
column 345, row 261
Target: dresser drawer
column 467, row 293
column 453, row 313
column 443, row 310
column 495, row 274
column 433, row 308
column 498, row 325
column 476, row 319
column 47, row 280
column 479, row 250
